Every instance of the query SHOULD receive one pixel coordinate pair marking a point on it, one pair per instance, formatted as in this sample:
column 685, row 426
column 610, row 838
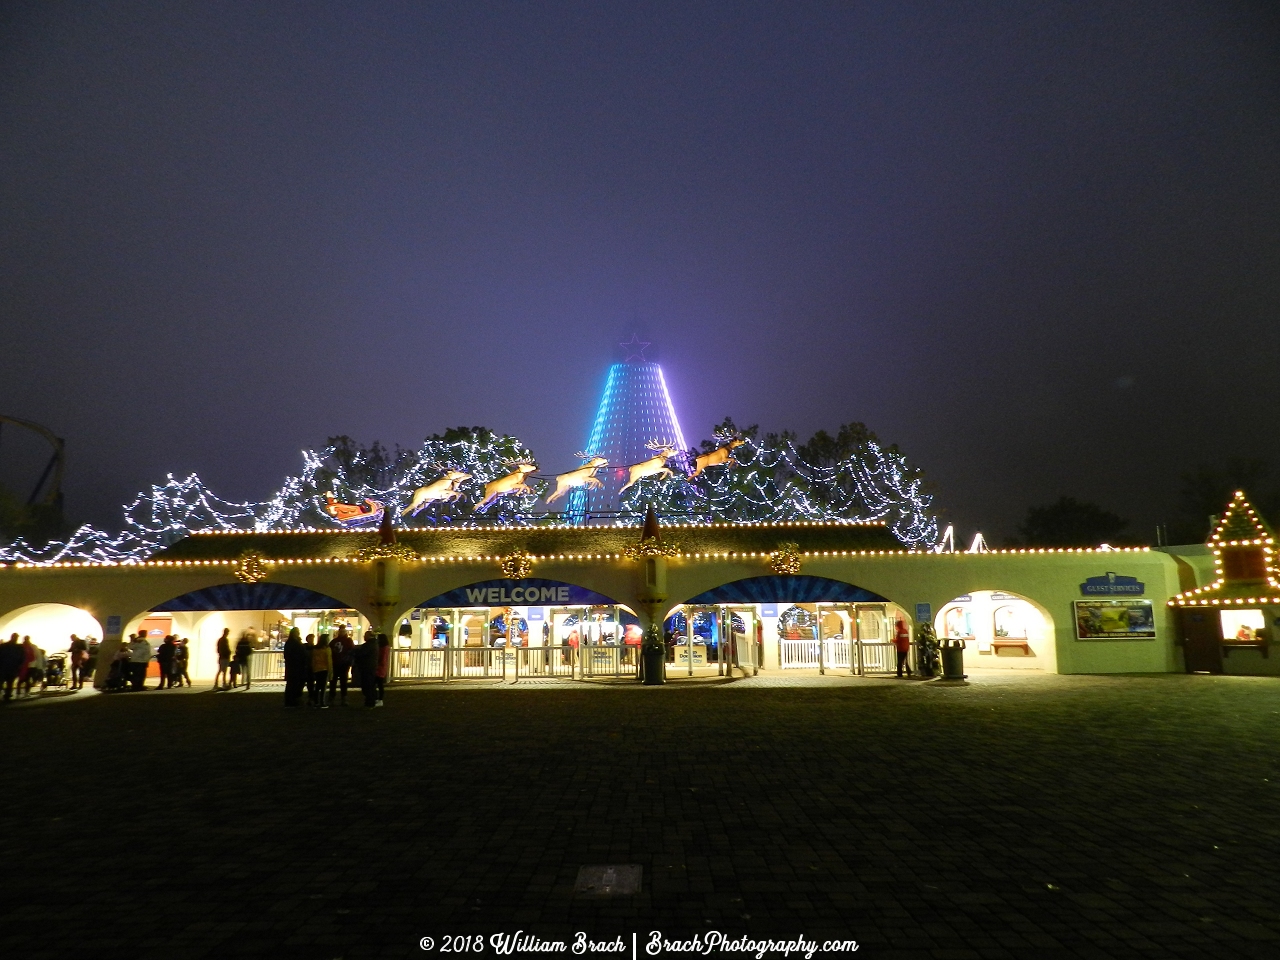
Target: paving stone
column 1020, row 816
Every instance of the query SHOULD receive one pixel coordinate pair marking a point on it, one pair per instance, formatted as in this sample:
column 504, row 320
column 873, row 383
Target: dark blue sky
column 1037, row 245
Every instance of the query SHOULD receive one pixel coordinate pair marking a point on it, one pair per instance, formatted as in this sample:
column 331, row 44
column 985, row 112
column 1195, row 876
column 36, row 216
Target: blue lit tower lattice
column 635, row 410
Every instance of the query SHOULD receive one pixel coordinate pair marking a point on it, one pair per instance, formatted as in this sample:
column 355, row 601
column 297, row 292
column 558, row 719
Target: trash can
column 654, row 662
column 953, row 660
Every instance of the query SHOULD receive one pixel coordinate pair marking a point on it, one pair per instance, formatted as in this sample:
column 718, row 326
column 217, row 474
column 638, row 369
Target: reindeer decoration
column 446, row 488
column 584, row 476
column 653, row 467
column 721, row 455
column 512, row 482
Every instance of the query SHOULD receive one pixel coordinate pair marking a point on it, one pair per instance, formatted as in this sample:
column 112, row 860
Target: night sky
column 1036, row 245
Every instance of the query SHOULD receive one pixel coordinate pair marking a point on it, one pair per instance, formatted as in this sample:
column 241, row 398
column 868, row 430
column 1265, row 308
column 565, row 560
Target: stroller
column 117, row 679
column 55, row 671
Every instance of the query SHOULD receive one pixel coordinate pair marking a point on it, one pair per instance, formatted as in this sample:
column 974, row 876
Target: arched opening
column 783, row 623
column 256, row 618
column 512, row 628
column 1001, row 630
column 51, row 627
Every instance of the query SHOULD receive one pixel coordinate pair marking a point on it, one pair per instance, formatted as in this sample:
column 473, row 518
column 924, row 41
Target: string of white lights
column 767, row 484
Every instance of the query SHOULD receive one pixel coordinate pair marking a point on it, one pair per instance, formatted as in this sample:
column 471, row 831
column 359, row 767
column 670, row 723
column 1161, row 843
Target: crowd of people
column 325, row 668
column 25, row 666
column 132, row 660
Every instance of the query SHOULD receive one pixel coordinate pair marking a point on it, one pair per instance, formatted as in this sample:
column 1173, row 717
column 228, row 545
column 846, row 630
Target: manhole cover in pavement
column 609, row 880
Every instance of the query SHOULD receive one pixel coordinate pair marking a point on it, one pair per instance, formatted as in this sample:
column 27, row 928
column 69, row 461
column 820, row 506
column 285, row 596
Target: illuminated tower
column 635, row 411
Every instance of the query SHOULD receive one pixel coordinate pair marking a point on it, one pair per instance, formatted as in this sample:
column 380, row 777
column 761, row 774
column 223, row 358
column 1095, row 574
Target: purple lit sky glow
column 1036, row 245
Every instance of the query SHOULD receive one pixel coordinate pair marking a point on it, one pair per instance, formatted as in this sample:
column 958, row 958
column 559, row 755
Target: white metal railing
column 549, row 661
column 858, row 657
column 419, row 664
column 798, row 654
column 835, row 653
column 266, row 665
column 607, row 660
column 493, row 663
column 878, row 657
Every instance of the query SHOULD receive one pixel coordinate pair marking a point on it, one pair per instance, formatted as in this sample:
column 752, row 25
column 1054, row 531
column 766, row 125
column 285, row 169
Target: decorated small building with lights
column 1226, row 625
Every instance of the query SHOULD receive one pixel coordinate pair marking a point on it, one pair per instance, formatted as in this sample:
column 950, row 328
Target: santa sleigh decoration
column 368, row 513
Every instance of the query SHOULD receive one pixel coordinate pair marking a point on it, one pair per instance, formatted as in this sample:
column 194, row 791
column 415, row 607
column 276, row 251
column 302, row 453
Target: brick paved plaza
column 1018, row 817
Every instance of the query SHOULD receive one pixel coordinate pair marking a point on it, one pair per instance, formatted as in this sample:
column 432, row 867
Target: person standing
column 224, row 660
column 294, row 675
column 321, row 665
column 28, row 654
column 35, row 670
column 341, row 648
column 164, row 657
column 244, row 656
column 139, row 658
column 11, row 657
column 367, row 664
column 382, row 669
column 181, row 660
column 902, row 642
column 77, row 654
column 308, row 674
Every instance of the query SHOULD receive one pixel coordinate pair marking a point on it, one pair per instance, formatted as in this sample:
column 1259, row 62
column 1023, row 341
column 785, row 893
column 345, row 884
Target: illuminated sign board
column 1112, row 585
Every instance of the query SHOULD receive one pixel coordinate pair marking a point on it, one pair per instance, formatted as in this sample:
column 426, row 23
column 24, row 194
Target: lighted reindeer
column 720, row 456
column 446, row 488
column 653, row 467
column 584, row 476
column 512, row 482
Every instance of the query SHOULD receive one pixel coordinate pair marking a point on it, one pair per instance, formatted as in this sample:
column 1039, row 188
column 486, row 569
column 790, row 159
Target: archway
column 783, row 622
column 526, row 627
column 1001, row 630
column 262, row 613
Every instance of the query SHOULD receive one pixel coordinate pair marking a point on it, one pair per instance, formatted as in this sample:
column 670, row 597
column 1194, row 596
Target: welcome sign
column 1112, row 585
column 519, row 593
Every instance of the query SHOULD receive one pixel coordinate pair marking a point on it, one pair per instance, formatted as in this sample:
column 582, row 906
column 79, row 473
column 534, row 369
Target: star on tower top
column 635, row 348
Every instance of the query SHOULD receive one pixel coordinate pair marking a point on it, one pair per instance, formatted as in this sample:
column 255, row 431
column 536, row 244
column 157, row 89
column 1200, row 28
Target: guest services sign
column 1112, row 585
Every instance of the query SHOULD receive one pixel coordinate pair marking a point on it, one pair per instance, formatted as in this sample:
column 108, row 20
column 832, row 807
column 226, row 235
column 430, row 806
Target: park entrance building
column 516, row 603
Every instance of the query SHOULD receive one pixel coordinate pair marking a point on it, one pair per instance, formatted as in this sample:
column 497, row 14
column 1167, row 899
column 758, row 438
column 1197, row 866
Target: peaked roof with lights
column 1243, row 548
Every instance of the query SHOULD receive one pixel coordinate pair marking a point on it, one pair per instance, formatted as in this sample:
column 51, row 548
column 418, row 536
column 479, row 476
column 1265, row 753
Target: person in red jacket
column 902, row 641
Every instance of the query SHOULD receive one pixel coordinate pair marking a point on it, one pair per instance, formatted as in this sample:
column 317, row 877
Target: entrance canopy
column 530, row 591
column 251, row 596
column 780, row 589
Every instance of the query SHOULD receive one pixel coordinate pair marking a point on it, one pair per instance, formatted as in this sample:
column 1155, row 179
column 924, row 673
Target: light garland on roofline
column 1239, row 529
column 678, row 554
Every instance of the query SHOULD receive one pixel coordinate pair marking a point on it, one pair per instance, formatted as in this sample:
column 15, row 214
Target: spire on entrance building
column 634, row 417
column 651, row 528
column 386, row 530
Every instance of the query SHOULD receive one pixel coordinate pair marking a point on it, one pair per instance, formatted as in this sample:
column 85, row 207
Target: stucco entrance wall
column 593, row 558
column 1051, row 580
